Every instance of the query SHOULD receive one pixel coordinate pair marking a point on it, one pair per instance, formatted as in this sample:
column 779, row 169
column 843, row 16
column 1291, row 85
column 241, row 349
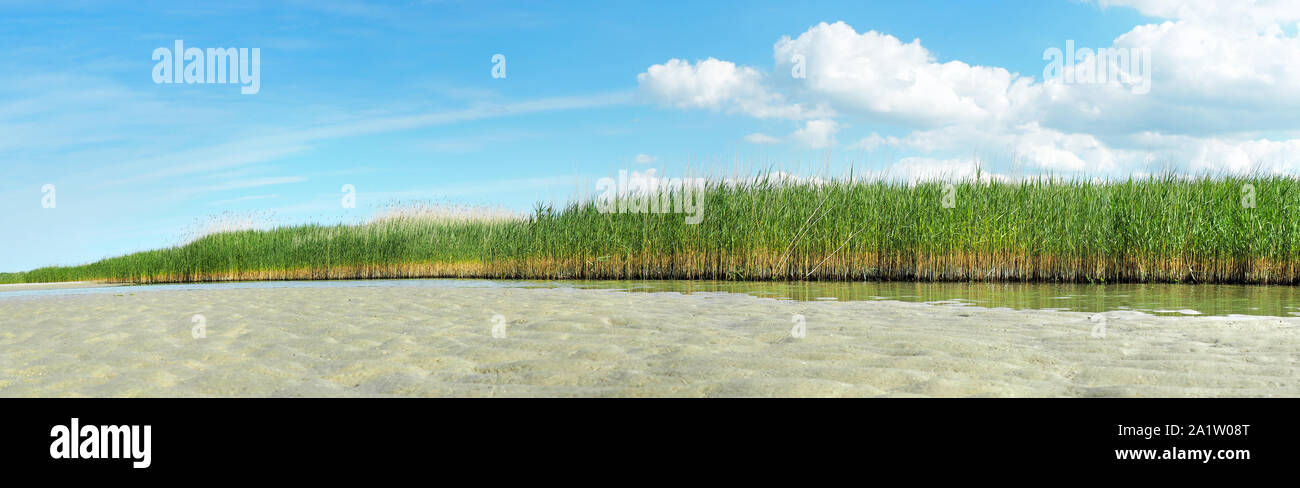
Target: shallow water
column 1155, row 299
column 36, row 289
column 476, row 338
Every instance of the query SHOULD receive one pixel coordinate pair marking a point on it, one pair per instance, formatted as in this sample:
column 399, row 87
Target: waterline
column 1155, row 299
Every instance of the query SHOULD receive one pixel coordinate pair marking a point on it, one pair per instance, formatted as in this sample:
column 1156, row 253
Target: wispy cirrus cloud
column 293, row 141
column 253, row 183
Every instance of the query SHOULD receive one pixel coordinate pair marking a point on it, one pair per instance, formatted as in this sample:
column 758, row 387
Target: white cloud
column 761, row 138
column 1225, row 154
column 1206, row 78
column 707, row 84
column 873, row 141
column 817, row 134
column 645, row 159
column 1028, row 144
column 878, row 75
column 716, row 85
column 915, row 169
column 1221, row 155
column 1254, row 13
column 1225, row 85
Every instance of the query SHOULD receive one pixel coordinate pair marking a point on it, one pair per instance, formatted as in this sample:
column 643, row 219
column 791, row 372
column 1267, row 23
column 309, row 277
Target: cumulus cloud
column 1233, row 155
column 761, row 138
column 817, row 134
column 716, row 85
column 1253, row 13
column 878, row 75
column 1028, row 144
column 1224, row 74
column 1206, row 78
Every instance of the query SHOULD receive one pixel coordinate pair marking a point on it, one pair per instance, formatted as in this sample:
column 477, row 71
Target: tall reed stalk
column 1158, row 229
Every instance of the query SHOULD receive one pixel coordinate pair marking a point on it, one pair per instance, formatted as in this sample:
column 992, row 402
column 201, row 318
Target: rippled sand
column 414, row 341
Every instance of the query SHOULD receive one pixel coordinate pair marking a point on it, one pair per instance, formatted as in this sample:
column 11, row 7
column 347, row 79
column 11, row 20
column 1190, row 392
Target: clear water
column 1160, row 299
column 232, row 285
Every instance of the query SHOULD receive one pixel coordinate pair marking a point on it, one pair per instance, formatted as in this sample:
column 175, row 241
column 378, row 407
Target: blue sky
column 398, row 100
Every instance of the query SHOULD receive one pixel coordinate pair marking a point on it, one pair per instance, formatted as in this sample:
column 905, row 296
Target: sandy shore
column 430, row 341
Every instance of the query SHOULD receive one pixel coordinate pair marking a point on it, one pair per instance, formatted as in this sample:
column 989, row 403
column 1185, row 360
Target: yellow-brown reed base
column 763, row 265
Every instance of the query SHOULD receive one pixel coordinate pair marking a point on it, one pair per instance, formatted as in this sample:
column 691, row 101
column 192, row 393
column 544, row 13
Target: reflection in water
column 1160, row 299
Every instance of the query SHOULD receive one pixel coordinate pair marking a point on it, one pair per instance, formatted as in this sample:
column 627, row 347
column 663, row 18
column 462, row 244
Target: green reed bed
column 1167, row 229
